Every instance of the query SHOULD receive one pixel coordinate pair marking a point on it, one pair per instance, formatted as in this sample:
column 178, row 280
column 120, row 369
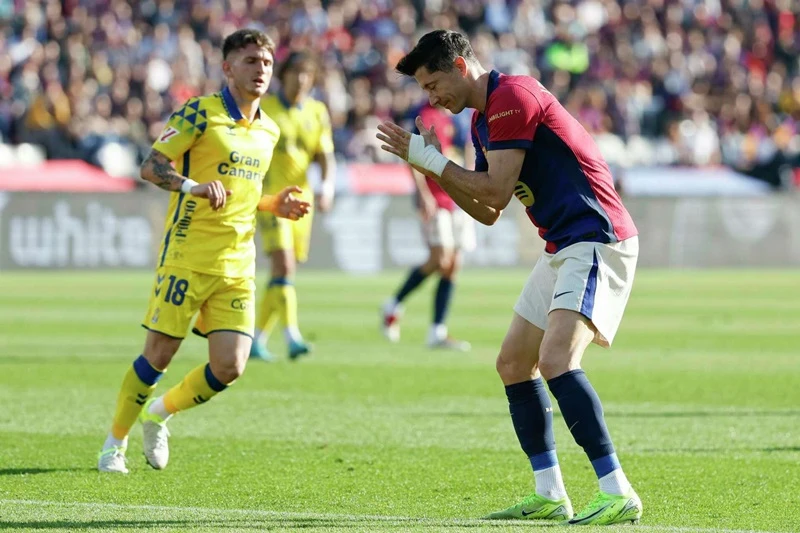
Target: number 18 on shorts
column 224, row 304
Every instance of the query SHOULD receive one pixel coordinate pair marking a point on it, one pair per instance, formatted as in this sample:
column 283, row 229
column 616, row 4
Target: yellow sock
column 268, row 311
column 287, row 310
column 197, row 387
column 137, row 386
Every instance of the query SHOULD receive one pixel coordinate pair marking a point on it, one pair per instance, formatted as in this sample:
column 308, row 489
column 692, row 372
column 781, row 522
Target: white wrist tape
column 186, row 186
column 426, row 157
column 328, row 188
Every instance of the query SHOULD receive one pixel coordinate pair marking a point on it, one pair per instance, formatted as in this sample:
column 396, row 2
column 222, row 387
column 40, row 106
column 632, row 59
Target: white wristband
column 328, row 188
column 186, row 186
column 426, row 157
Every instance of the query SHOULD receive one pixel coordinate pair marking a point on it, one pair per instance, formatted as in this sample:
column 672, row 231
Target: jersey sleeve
column 325, row 145
column 182, row 130
column 513, row 114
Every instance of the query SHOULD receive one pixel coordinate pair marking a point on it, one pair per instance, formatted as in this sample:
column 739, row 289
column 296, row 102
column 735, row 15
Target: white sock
column 111, row 442
column 549, row 483
column 615, row 483
column 292, row 334
column 260, row 336
column 158, row 408
column 438, row 332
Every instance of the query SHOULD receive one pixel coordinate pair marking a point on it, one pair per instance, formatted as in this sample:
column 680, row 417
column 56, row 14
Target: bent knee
column 282, row 264
column 228, row 372
column 553, row 363
column 281, row 270
column 160, row 349
column 513, row 370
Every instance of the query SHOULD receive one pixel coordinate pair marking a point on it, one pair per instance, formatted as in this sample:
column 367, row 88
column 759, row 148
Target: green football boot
column 536, row 507
column 606, row 509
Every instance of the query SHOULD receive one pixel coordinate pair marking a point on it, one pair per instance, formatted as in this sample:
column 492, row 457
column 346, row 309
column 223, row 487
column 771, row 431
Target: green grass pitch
column 701, row 393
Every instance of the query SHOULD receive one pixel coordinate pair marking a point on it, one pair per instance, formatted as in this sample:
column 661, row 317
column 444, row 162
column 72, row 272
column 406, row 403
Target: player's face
column 444, row 89
column 298, row 80
column 250, row 69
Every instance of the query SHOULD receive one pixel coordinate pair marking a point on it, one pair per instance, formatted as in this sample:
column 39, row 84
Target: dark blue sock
column 583, row 414
column 532, row 415
column 444, row 293
column 415, row 278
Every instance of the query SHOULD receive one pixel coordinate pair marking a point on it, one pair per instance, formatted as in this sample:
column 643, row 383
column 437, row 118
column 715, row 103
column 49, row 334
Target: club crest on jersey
column 168, row 134
column 524, row 194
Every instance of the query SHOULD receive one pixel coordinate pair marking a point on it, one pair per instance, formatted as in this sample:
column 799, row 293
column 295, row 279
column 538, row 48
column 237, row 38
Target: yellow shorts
column 224, row 304
column 284, row 234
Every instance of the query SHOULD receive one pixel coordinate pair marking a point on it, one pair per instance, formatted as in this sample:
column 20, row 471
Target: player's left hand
column 398, row 140
column 288, row 206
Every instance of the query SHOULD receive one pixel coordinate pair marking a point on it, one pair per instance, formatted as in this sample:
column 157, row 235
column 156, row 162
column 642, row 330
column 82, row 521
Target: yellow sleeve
column 183, row 128
column 325, row 145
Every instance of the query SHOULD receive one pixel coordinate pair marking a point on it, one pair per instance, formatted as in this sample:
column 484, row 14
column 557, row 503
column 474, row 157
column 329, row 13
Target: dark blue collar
column 285, row 101
column 231, row 105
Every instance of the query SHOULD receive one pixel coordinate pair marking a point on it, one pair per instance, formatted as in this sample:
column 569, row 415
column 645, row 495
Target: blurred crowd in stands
column 657, row 82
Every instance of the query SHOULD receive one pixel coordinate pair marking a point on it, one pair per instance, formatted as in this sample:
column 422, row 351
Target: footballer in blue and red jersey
column 565, row 184
column 577, row 291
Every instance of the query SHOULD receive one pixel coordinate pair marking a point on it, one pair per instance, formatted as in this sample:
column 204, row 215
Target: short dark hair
column 302, row 57
column 436, row 51
column 243, row 38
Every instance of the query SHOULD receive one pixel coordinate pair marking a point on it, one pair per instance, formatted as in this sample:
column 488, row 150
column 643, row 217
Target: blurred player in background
column 448, row 231
column 529, row 146
column 305, row 138
column 222, row 146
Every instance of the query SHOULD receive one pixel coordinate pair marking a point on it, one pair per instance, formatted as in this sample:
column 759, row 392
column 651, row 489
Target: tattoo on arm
column 158, row 170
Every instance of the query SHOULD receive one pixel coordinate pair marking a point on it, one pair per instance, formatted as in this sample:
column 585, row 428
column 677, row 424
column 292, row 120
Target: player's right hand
column 428, row 135
column 214, row 191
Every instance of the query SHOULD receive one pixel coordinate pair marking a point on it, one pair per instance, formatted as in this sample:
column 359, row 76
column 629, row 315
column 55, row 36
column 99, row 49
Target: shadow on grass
column 259, row 524
column 704, row 414
column 31, row 471
column 636, row 414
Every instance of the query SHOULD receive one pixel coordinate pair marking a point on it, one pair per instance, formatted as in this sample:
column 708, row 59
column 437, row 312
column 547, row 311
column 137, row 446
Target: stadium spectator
column 697, row 82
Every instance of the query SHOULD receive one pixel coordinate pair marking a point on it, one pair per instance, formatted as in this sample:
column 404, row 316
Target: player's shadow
column 256, row 523
column 31, row 471
column 123, row 524
column 701, row 414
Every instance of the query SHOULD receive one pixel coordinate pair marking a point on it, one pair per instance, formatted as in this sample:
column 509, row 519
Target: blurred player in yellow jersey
column 305, row 138
column 221, row 145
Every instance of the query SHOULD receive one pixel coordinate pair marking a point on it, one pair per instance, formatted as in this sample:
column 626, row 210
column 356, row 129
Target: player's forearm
column 158, row 169
column 268, row 202
column 474, row 184
column 327, row 167
column 474, row 208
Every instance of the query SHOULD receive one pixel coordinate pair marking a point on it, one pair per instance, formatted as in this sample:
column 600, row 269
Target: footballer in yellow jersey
column 222, row 146
column 305, row 138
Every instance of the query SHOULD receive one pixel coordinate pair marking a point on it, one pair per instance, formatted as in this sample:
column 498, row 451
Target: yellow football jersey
column 305, row 132
column 209, row 139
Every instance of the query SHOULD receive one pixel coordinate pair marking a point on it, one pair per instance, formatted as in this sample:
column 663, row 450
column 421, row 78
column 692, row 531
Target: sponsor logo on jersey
column 503, row 114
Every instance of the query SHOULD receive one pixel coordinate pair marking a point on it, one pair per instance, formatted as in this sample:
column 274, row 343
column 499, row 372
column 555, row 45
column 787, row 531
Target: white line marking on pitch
column 333, row 516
